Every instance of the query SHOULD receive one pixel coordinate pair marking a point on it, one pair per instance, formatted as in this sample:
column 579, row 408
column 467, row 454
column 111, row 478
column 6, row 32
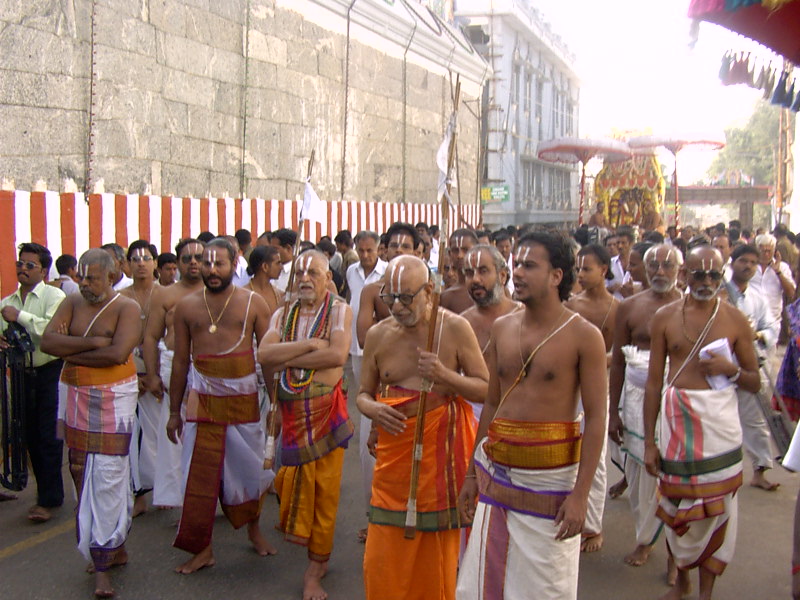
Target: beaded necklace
column 319, row 328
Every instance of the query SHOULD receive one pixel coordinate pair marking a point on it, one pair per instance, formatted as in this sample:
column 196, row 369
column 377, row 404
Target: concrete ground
column 39, row 562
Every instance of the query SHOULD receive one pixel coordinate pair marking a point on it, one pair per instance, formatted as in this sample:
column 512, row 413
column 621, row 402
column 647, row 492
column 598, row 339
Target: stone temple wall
column 229, row 97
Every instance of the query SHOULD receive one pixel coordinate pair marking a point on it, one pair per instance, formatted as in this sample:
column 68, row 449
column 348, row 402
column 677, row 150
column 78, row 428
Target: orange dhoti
column 392, row 563
column 316, row 429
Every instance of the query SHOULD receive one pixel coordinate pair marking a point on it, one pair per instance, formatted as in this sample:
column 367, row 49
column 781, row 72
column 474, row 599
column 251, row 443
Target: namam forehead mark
column 402, row 238
column 212, row 255
column 193, row 248
column 303, row 264
column 140, row 252
column 396, row 278
column 474, row 260
column 83, row 269
column 581, row 261
column 522, row 253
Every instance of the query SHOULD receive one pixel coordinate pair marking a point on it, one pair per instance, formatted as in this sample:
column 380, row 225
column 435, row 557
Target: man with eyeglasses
column 32, row 306
column 141, row 258
column 394, row 371
column 755, row 432
column 158, row 345
column 457, row 298
column 309, row 348
column 697, row 450
column 630, row 356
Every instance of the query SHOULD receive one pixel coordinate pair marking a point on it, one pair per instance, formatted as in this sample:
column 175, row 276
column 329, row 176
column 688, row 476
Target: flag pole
column 419, row 430
column 272, row 421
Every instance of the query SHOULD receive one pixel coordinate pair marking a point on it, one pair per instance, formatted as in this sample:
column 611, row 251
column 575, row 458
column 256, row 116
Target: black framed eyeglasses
column 187, row 258
column 701, row 275
column 27, row 265
column 405, row 299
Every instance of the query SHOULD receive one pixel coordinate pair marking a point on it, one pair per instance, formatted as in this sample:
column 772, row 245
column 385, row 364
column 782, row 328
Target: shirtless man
column 95, row 333
column 599, row 307
column 485, row 275
column 264, row 265
column 141, row 257
column 394, row 370
column 700, row 511
column 629, row 361
column 213, row 332
column 532, row 402
column 457, row 298
column 401, row 238
column 598, row 218
column 310, row 352
column 157, row 350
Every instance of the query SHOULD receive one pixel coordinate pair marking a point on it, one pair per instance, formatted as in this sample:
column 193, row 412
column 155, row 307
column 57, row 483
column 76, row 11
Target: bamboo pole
column 444, row 207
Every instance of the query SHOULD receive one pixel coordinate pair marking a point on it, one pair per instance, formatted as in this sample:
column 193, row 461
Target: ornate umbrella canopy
column 573, row 150
column 773, row 23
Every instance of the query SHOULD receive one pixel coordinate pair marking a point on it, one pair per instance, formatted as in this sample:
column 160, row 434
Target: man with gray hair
column 629, row 361
column 485, row 277
column 95, row 333
column 117, row 254
column 773, row 277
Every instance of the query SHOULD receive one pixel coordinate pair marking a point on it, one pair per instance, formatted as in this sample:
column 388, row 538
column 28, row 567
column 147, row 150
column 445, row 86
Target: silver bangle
column 735, row 377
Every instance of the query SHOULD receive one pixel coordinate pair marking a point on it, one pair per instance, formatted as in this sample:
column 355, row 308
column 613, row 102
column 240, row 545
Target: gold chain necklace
column 213, row 327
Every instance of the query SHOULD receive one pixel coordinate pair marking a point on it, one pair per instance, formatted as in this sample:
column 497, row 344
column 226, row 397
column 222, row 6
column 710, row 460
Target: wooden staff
column 272, row 421
column 419, row 430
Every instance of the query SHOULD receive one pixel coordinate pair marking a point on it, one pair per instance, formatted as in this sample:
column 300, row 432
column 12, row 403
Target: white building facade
column 532, row 95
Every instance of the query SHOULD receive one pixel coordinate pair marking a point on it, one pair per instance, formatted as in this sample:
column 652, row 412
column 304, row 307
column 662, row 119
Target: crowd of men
column 490, row 369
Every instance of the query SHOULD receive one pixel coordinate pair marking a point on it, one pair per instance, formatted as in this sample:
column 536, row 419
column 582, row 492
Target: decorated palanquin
column 630, row 190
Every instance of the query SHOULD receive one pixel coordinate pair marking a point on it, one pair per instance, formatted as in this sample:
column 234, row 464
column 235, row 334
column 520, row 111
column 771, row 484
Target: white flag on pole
column 441, row 158
column 313, row 207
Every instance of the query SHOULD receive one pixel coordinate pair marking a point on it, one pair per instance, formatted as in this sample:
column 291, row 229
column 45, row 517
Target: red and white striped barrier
column 67, row 224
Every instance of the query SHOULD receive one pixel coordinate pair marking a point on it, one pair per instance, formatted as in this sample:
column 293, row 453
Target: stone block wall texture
column 215, row 97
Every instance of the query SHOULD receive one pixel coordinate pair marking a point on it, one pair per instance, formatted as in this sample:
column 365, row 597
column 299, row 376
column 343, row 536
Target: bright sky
column 637, row 71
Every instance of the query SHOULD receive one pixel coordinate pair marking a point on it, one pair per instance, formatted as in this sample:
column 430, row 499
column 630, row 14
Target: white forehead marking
column 458, row 241
column 304, row 264
column 140, row 252
column 470, row 265
column 479, row 258
column 212, row 255
column 581, row 261
column 83, row 270
column 703, row 264
column 396, row 285
column 523, row 253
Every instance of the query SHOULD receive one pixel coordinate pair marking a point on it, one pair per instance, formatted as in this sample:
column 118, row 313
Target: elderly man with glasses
column 394, row 371
column 32, row 306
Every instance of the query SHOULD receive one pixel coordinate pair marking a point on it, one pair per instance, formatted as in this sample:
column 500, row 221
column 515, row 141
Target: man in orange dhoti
column 394, row 371
column 309, row 348
column 95, row 333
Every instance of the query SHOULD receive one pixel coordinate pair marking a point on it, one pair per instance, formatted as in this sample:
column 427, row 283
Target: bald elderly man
column 393, row 372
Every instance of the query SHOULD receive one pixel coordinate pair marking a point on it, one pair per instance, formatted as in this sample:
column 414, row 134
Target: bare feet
column 616, row 490
column 102, row 585
column 260, row 543
column 759, row 481
column 362, row 536
column 201, row 560
column 681, row 589
column 639, row 556
column 592, row 543
column 121, row 558
column 312, row 586
column 39, row 514
column 139, row 506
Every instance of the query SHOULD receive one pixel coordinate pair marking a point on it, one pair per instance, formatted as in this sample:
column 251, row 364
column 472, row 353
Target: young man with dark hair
column 457, row 298
column 284, row 240
column 32, row 306
column 344, row 245
column 539, row 360
column 245, row 241
column 167, row 268
column 67, row 267
column 619, row 263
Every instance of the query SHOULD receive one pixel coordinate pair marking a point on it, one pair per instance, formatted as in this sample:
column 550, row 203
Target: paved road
column 40, row 562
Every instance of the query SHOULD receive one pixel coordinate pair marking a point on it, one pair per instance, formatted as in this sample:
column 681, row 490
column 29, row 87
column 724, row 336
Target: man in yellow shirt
column 32, row 306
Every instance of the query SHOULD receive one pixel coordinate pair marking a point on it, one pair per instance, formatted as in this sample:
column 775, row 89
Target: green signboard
column 494, row 193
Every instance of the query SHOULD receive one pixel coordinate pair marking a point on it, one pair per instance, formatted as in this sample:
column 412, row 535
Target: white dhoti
column 755, row 431
column 597, row 494
column 168, row 477
column 512, row 551
column 144, row 443
column 96, row 413
column 700, row 442
column 643, row 487
column 364, row 428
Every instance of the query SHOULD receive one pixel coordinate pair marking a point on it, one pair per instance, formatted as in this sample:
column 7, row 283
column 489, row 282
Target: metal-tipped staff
column 272, row 421
column 419, row 430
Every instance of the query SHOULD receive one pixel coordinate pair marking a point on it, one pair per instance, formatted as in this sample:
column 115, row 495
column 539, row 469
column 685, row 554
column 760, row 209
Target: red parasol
column 573, row 150
column 775, row 24
column 674, row 145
